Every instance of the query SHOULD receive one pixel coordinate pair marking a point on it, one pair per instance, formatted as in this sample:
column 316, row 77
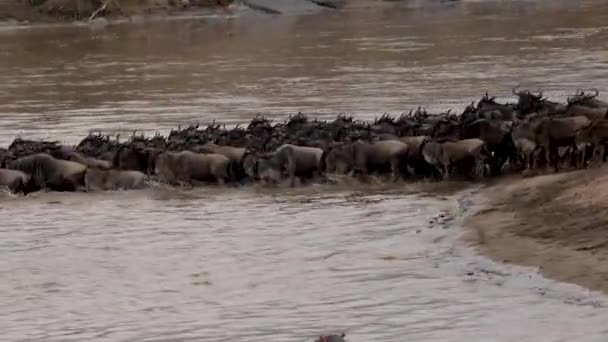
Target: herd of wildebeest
column 487, row 139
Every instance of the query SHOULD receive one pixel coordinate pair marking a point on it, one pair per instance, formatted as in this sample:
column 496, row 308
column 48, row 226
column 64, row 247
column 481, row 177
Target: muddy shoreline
column 555, row 222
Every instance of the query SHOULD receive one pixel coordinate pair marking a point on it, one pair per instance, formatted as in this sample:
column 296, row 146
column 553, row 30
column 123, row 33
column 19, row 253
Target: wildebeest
column 487, row 108
column 71, row 155
column 596, row 136
column 367, row 158
column 525, row 143
column 16, row 181
column 497, row 136
column 466, row 156
column 415, row 161
column 593, row 114
column 135, row 157
column 294, row 161
column 98, row 179
column 553, row 133
column 587, row 99
column 233, row 153
column 50, row 173
column 529, row 102
column 185, row 167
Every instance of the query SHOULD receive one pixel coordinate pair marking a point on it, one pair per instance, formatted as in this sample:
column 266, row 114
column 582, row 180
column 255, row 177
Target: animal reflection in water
column 488, row 138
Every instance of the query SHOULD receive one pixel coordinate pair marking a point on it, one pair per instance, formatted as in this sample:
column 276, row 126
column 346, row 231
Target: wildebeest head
column 135, row 157
column 96, row 145
column 527, row 102
column 445, row 127
column 587, row 99
column 469, row 114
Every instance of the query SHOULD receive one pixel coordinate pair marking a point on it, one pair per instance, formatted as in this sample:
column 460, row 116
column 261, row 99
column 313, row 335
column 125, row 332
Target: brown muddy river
column 257, row 264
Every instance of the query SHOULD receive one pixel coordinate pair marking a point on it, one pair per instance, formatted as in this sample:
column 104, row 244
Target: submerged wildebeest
column 293, row 161
column 466, row 156
column 388, row 156
column 50, row 173
column 16, row 181
column 185, row 167
column 331, row 338
column 98, row 179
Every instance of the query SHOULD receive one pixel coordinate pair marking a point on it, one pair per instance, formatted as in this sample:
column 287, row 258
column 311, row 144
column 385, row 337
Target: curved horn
column 514, row 88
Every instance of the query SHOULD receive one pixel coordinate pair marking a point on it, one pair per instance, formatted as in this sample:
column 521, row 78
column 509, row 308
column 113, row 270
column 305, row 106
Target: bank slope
column 557, row 222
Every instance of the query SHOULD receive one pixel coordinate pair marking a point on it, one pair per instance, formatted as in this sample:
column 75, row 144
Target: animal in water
column 331, row 338
column 47, row 172
column 186, row 167
column 292, row 161
column 16, row 181
column 387, row 156
column 467, row 156
column 98, row 179
column 135, row 157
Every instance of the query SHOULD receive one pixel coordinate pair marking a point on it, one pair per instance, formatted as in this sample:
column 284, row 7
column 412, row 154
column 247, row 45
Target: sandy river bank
column 555, row 222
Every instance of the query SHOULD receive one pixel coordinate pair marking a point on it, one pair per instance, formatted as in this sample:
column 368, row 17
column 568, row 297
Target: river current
column 380, row 262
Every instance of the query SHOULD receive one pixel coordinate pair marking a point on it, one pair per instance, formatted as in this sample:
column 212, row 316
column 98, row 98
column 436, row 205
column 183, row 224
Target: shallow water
column 255, row 264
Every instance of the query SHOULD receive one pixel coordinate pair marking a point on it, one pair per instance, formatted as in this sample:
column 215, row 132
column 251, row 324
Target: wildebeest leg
column 17, row 187
column 573, row 155
column 291, row 171
column 524, row 162
column 220, row 180
column 553, row 156
column 532, row 160
column 547, row 156
column 395, row 169
column 446, row 171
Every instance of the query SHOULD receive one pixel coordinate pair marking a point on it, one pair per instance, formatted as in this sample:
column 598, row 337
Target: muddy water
column 276, row 265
